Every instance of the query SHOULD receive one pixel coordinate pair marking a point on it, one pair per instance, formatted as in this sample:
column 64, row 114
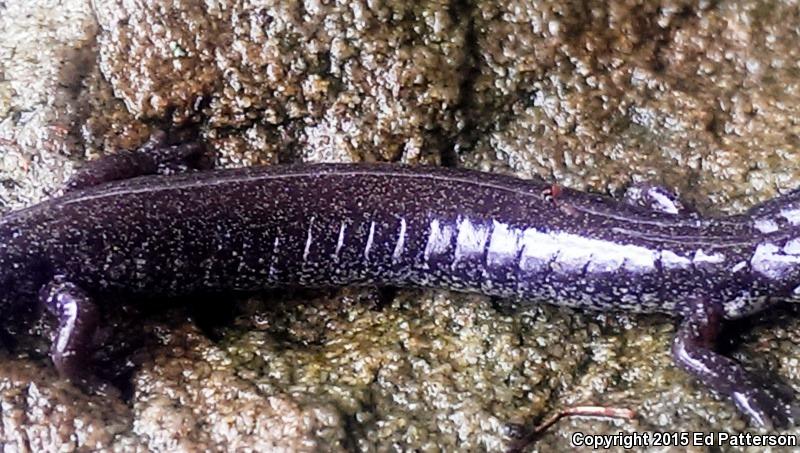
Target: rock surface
column 702, row 97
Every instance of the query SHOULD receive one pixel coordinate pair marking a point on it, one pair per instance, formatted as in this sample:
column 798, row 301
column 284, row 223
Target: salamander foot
column 156, row 156
column 764, row 404
column 77, row 321
column 656, row 198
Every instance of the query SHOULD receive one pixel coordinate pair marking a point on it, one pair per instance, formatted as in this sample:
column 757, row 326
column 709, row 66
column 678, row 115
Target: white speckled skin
column 339, row 224
column 319, row 225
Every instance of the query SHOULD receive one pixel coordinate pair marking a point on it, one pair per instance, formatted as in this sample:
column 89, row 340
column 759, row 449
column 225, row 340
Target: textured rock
column 702, row 97
column 335, row 81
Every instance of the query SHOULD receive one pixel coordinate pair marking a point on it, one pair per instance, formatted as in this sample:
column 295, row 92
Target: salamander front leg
column 155, row 156
column 656, row 198
column 692, row 351
column 77, row 321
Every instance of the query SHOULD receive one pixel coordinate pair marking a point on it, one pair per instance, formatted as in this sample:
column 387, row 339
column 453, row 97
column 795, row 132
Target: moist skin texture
column 347, row 224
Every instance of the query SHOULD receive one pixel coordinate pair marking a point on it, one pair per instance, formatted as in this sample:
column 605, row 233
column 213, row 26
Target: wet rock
column 701, row 97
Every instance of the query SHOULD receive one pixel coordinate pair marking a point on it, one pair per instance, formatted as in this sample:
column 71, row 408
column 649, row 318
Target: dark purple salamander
column 343, row 224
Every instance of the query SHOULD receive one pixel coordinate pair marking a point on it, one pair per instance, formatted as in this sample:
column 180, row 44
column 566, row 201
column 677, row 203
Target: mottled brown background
column 703, row 97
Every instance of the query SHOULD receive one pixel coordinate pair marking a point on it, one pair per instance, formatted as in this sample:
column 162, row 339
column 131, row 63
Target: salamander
column 136, row 223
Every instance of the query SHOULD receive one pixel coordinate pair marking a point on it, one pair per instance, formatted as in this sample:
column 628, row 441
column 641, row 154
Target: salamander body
column 349, row 224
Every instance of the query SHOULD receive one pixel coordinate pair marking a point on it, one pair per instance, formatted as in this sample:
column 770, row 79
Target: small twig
column 572, row 411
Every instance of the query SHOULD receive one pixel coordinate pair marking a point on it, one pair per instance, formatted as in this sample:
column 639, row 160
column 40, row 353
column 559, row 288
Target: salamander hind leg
column 157, row 155
column 765, row 405
column 656, row 198
column 77, row 319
